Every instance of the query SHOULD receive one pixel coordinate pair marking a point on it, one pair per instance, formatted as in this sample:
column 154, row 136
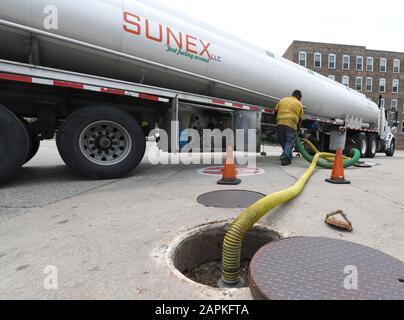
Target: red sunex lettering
column 128, row 19
column 170, row 34
column 133, row 24
column 205, row 49
column 149, row 36
column 189, row 44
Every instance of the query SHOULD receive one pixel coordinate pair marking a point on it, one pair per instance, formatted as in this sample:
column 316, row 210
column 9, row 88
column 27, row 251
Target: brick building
column 371, row 72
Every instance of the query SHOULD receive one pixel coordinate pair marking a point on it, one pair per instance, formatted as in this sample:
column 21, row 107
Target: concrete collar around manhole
column 196, row 256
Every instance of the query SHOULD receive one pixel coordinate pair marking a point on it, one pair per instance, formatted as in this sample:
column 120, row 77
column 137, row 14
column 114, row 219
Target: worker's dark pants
column 287, row 138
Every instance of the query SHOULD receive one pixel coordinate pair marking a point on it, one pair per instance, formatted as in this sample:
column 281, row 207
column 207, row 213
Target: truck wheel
column 35, row 142
column 362, row 145
column 390, row 152
column 14, row 144
column 101, row 143
column 372, row 146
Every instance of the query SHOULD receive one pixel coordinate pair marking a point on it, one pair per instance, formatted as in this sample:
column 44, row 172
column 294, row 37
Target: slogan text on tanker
column 177, row 42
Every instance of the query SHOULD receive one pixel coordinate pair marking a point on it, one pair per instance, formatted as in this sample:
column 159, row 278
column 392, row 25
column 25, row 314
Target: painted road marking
column 241, row 171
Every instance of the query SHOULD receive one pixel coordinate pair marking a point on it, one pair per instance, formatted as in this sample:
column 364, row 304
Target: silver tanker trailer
column 100, row 74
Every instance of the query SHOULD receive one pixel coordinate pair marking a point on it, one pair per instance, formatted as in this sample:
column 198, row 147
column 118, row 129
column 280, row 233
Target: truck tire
column 101, row 143
column 14, row 144
column 372, row 146
column 390, row 152
column 362, row 145
column 35, row 143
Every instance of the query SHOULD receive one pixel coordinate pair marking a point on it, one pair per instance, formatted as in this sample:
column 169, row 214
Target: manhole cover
column 324, row 269
column 229, row 199
column 366, row 164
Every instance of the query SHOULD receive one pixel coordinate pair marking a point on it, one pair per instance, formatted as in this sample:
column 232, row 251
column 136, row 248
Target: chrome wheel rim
column 364, row 147
column 374, row 147
column 105, row 143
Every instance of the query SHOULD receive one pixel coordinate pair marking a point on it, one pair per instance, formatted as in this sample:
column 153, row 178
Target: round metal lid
column 324, row 269
column 229, row 199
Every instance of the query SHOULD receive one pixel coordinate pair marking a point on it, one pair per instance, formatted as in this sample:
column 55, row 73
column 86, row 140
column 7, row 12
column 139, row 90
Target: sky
column 273, row 25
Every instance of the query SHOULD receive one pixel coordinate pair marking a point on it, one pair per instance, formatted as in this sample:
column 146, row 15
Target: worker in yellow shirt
column 289, row 116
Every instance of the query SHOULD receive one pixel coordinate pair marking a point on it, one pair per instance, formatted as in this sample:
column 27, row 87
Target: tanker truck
column 99, row 75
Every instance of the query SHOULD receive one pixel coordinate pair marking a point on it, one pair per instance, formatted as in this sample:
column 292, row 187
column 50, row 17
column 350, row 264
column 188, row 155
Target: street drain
column 198, row 254
column 229, row 199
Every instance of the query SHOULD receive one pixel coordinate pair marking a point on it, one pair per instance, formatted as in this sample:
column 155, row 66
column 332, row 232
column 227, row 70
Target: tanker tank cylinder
column 179, row 52
column 143, row 74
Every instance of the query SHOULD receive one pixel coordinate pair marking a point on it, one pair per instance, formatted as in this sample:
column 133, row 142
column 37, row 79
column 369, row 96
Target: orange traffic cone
column 338, row 175
column 229, row 172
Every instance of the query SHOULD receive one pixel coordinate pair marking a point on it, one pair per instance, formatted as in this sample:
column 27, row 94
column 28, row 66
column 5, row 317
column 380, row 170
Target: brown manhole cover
column 324, row 269
column 229, row 199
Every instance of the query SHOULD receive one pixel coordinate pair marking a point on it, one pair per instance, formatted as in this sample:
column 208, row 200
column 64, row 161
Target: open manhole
column 305, row 268
column 198, row 255
column 229, row 199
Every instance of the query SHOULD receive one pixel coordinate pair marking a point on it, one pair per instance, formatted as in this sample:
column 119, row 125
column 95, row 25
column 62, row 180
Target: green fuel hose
column 231, row 260
column 348, row 162
column 331, row 158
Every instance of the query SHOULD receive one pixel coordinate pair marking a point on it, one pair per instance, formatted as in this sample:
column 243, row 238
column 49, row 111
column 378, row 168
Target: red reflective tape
column 64, row 84
column 269, row 111
column 148, row 97
column 113, row 91
column 254, row 108
column 13, row 77
column 238, row 105
column 219, row 102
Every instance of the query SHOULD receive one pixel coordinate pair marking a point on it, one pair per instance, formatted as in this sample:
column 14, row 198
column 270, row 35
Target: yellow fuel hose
column 331, row 158
column 231, row 260
column 244, row 223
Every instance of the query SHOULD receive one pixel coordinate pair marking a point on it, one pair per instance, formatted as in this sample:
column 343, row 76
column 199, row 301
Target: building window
column 382, row 103
column 317, row 60
column 394, row 105
column 345, row 81
column 332, row 59
column 402, row 130
column 332, row 77
column 346, row 62
column 303, row 58
column 358, row 85
column 396, row 84
column 383, row 65
column 369, row 84
column 396, row 66
column 369, row 64
column 359, row 63
column 382, row 85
